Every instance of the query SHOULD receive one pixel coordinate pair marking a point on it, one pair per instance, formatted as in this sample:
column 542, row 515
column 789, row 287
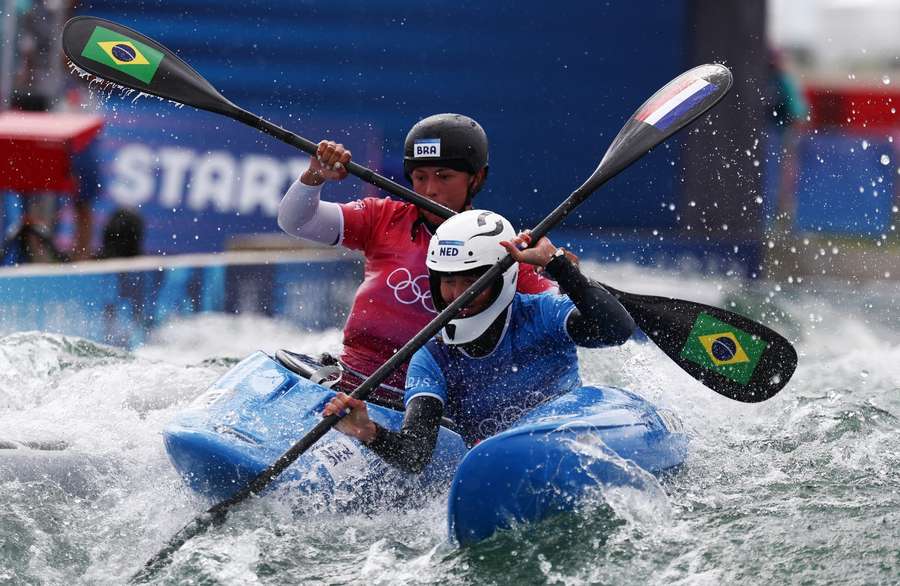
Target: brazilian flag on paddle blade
column 122, row 54
column 722, row 348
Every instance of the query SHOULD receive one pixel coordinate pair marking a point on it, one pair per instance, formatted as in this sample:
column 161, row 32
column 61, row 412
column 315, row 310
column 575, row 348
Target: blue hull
column 541, row 466
column 257, row 410
column 546, row 463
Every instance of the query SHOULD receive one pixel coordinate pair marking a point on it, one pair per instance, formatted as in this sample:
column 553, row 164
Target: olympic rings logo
column 408, row 290
column 509, row 415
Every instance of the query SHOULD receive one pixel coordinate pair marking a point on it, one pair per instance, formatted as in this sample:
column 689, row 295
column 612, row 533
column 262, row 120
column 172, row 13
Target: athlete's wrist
column 312, row 177
column 547, row 256
column 558, row 261
column 368, row 433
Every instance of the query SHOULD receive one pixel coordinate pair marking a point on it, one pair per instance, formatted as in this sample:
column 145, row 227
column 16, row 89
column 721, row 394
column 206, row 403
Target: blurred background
column 140, row 240
column 791, row 175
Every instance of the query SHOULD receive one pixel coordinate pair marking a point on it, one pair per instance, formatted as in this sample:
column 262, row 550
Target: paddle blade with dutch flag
column 677, row 104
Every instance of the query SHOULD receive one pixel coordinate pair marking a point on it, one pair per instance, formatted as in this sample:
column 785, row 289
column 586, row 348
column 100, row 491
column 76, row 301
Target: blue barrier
column 120, row 302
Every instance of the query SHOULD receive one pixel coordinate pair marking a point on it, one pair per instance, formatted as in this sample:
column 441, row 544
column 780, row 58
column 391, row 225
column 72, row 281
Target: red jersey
column 393, row 303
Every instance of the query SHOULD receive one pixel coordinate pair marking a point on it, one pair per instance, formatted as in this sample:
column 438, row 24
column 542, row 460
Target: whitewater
column 803, row 488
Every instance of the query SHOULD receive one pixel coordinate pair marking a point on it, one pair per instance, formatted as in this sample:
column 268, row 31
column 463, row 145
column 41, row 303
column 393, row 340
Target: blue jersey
column 535, row 360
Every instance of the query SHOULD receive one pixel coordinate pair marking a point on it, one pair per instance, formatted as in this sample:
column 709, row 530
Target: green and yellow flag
column 722, row 348
column 122, row 54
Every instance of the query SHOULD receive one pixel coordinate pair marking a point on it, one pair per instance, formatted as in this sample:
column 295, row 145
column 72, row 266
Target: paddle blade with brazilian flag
column 125, row 57
column 723, row 348
column 122, row 53
column 729, row 353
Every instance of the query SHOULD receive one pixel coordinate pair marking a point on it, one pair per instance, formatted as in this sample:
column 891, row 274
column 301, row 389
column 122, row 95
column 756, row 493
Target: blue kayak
column 551, row 457
column 539, row 467
column 259, row 409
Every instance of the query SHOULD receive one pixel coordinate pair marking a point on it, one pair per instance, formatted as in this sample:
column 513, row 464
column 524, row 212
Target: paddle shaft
column 364, row 173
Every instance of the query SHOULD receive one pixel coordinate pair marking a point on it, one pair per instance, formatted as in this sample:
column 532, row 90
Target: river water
column 801, row 489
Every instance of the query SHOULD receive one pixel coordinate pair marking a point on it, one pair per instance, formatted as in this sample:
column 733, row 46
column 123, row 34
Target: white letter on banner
column 132, row 181
column 262, row 184
column 212, row 181
column 173, row 163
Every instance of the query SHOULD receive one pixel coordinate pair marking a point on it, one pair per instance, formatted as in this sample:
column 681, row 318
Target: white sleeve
column 302, row 214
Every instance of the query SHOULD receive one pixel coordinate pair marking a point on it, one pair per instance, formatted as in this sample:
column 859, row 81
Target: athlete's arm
column 598, row 318
column 409, row 449
column 301, row 212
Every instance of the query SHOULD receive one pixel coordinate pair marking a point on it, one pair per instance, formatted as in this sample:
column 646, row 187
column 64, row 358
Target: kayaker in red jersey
column 446, row 159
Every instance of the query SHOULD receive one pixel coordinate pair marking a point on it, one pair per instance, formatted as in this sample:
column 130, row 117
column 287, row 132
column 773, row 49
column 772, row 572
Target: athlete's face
column 452, row 286
column 448, row 187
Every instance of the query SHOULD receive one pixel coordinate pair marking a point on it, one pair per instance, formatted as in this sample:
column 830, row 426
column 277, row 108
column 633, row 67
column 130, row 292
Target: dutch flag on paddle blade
column 672, row 102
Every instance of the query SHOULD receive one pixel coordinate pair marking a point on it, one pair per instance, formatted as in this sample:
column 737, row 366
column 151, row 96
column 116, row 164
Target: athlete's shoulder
column 439, row 351
column 532, row 308
column 372, row 220
column 528, row 301
column 392, row 211
column 378, row 205
column 388, row 205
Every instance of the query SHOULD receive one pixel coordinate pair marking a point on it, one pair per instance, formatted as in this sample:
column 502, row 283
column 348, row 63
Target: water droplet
column 885, row 80
column 863, row 373
column 885, row 160
column 865, row 144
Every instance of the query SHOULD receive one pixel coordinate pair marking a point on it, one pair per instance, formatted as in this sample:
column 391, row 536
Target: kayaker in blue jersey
column 504, row 354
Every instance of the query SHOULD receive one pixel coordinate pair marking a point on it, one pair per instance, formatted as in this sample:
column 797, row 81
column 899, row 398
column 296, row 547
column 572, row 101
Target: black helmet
column 449, row 140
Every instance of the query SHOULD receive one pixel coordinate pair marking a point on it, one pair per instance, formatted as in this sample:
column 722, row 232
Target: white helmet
column 470, row 241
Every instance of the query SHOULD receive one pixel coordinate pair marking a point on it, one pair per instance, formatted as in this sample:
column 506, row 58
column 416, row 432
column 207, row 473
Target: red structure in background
column 36, row 149
column 853, row 107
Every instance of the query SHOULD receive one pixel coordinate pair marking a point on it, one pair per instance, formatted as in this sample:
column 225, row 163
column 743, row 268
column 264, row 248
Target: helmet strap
column 475, row 185
column 470, row 195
